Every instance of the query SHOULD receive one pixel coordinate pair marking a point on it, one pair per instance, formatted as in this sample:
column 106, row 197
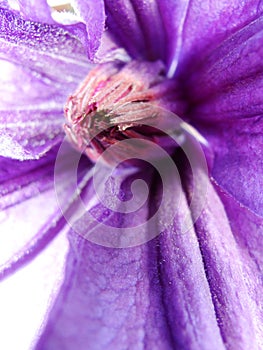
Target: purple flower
column 200, row 289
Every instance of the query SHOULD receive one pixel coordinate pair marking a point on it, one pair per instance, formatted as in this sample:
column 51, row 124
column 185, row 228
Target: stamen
column 60, row 5
column 114, row 99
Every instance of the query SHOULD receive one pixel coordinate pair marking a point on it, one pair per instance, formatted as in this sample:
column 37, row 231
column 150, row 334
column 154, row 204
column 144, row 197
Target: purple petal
column 238, row 161
column 233, row 285
column 47, row 49
column 34, row 246
column 27, row 211
column 48, row 65
column 40, row 12
column 22, row 180
column 208, row 23
column 92, row 13
column 31, row 292
column 229, row 84
column 173, row 14
column 137, row 26
column 177, row 32
column 248, row 230
column 22, row 186
column 24, row 136
column 4, row 3
column 152, row 296
column 110, row 51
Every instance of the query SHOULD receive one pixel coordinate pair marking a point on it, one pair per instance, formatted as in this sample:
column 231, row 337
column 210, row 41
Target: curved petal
column 179, row 32
column 42, row 12
column 38, row 13
column 152, row 296
column 4, row 4
column 248, row 231
column 30, row 292
column 26, row 297
column 47, row 49
column 236, row 290
column 238, row 162
column 24, row 135
column 22, row 180
column 27, row 100
column 229, row 83
column 28, row 212
column 41, row 65
column 92, row 13
column 173, row 14
column 19, row 189
column 207, row 23
column 137, row 26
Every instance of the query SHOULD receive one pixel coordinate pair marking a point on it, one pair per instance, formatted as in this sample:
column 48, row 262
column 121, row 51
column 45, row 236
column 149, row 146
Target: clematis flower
column 127, row 71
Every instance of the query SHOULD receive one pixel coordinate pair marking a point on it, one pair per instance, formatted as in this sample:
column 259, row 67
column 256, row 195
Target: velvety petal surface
column 137, row 26
column 207, row 23
column 238, row 162
column 29, row 10
column 47, row 49
column 20, row 180
column 23, row 135
column 235, row 288
column 41, row 66
column 228, row 84
column 34, row 189
column 27, row 99
column 26, row 297
column 152, row 296
column 179, row 32
column 4, row 3
column 247, row 228
column 173, row 14
column 44, row 13
column 12, row 240
column 93, row 14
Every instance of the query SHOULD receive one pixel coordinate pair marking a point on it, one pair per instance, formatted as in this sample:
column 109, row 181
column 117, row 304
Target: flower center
column 115, row 102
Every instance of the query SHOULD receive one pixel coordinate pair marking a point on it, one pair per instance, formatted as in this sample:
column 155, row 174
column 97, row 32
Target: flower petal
column 4, row 3
column 137, row 26
column 23, row 135
column 27, row 100
column 19, row 189
column 31, row 291
column 47, row 49
column 42, row 12
column 207, row 23
column 35, row 82
column 22, row 180
column 179, row 32
column 12, row 240
column 173, row 14
column 38, row 13
column 248, row 230
column 153, row 296
column 228, row 84
column 92, row 13
column 238, row 164
column 234, row 288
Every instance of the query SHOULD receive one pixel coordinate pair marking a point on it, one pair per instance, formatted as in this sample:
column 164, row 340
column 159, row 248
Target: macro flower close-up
column 131, row 174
